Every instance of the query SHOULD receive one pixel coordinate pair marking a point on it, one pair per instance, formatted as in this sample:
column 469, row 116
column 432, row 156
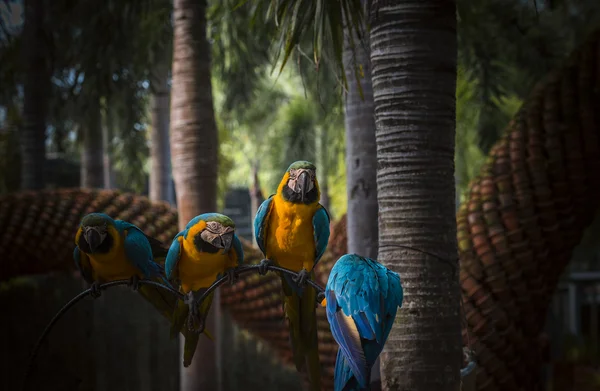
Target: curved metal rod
column 74, row 301
column 240, row 270
column 247, row 268
column 82, row 295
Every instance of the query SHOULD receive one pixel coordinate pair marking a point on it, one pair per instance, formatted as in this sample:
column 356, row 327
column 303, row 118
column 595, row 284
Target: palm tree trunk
column 256, row 196
column 194, row 150
column 361, row 153
column 107, row 162
column 92, row 152
column 323, row 162
column 160, row 153
column 33, row 135
column 413, row 58
column 361, row 161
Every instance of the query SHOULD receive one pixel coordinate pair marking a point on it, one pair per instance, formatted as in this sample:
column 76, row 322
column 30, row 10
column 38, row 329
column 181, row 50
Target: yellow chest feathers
column 113, row 265
column 200, row 269
column 290, row 238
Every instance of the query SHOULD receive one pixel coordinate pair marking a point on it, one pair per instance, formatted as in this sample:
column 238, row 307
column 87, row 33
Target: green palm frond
column 325, row 22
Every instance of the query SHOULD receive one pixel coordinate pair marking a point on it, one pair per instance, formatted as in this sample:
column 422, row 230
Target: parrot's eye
column 293, row 173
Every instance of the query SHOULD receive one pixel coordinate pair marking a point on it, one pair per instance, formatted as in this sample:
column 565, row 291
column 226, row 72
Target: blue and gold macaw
column 292, row 231
column 361, row 300
column 108, row 250
column 205, row 250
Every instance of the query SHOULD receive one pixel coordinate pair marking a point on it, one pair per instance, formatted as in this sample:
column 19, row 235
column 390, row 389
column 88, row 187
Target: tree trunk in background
column 194, row 150
column 413, row 58
column 33, row 134
column 361, row 154
column 92, row 149
column 323, row 165
column 107, row 164
column 361, row 161
column 256, row 198
column 160, row 153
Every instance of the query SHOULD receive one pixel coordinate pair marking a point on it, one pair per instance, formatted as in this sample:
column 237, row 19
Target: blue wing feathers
column 260, row 224
column 371, row 294
column 139, row 252
column 239, row 250
column 347, row 336
column 321, row 231
column 343, row 377
column 173, row 256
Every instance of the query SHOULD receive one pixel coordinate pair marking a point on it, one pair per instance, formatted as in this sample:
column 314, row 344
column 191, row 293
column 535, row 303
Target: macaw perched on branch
column 204, row 251
column 361, row 300
column 292, row 230
column 108, row 250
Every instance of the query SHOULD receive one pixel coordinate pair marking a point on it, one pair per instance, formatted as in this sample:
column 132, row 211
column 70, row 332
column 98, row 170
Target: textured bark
column 92, row 148
column 256, row 197
column 361, row 153
column 361, row 159
column 160, row 153
column 323, row 163
column 413, row 58
column 107, row 163
column 35, row 104
column 194, row 150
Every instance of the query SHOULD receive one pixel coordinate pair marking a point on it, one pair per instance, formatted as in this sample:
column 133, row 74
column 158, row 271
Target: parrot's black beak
column 223, row 241
column 304, row 183
column 227, row 240
column 93, row 238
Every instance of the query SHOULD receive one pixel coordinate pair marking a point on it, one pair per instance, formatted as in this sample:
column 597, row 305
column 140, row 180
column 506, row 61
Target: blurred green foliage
column 268, row 119
column 470, row 156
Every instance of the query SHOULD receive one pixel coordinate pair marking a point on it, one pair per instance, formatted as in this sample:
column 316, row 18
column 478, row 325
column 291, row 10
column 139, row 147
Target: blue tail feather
column 344, row 380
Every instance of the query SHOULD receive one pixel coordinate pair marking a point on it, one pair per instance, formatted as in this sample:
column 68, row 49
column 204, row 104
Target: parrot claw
column 95, row 291
column 263, row 266
column 303, row 275
column 134, row 283
column 232, row 276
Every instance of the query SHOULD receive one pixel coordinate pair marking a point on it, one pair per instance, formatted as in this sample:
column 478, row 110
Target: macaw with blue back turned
column 361, row 300
column 108, row 250
column 204, row 251
column 292, row 230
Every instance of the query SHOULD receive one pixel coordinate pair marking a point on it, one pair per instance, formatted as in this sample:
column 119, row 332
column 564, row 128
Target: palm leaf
column 323, row 19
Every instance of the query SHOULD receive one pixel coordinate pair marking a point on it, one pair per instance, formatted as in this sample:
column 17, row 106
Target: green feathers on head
column 301, row 164
column 219, row 218
column 96, row 219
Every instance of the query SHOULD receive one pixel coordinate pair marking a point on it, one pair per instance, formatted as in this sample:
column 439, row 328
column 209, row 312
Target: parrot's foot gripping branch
column 195, row 322
column 263, row 266
column 232, row 276
column 134, row 283
column 95, row 291
column 301, row 278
